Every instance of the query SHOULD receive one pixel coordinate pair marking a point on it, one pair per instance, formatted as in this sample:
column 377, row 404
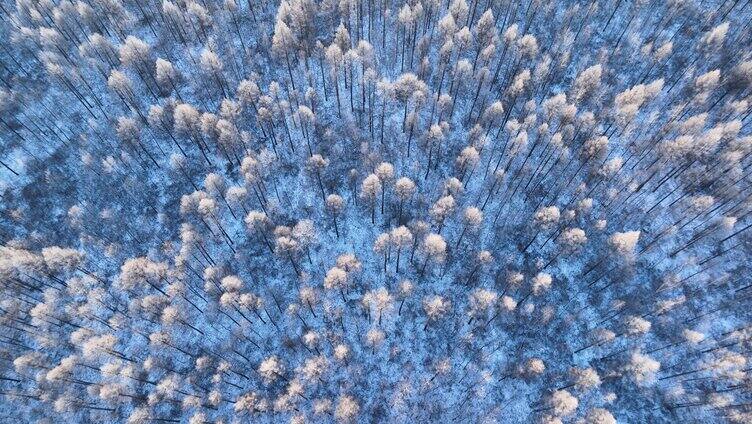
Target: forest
column 366, row 211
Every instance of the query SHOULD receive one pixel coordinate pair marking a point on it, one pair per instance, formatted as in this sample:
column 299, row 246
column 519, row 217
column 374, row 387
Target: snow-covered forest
column 418, row 211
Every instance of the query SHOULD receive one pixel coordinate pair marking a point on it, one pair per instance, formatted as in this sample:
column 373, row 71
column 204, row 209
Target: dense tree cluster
column 375, row 211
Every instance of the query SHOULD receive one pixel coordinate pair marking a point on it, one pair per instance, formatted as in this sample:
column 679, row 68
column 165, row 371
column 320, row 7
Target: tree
column 334, row 57
column 347, row 409
column 435, row 307
column 382, row 245
column 385, row 172
column 405, row 290
column 623, row 244
column 563, row 403
column 212, row 66
column 599, row 416
column 584, row 379
column 341, row 352
column 369, row 189
column 433, row 138
column 481, row 302
column 59, row 260
column 270, row 369
column 135, row 53
column 587, row 82
column 472, row 218
column 336, row 279
column 283, row 42
column 316, row 164
column 401, row 237
column 287, row 246
column 572, row 239
column 335, row 204
column 307, row 123
column 642, row 368
column 405, row 188
column 541, row 283
column 532, row 368
column 258, row 223
column 167, row 77
column 442, row 209
column 434, row 249
column 467, row 159
column 378, row 300
column 304, row 233
column 408, row 87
